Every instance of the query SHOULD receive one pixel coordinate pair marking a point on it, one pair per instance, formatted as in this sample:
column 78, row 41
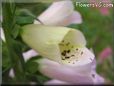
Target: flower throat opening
column 70, row 53
column 73, row 51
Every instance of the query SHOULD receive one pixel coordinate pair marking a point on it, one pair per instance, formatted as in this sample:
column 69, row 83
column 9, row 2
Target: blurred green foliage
column 98, row 30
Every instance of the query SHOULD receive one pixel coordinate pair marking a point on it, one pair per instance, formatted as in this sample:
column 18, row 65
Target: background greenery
column 96, row 28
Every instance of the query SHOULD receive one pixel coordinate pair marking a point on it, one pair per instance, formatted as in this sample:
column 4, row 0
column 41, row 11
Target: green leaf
column 15, row 31
column 24, row 16
column 23, row 20
column 6, row 62
column 32, row 65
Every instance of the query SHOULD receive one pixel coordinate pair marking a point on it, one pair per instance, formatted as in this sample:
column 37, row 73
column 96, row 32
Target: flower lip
column 75, row 56
column 74, row 75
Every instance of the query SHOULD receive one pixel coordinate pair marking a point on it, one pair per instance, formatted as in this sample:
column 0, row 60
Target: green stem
column 16, row 57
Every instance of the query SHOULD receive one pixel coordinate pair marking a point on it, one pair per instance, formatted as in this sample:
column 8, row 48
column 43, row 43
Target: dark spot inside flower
column 63, row 58
column 64, row 53
column 68, row 62
column 81, row 53
column 72, row 55
column 68, row 51
column 67, row 57
column 93, row 75
column 76, row 49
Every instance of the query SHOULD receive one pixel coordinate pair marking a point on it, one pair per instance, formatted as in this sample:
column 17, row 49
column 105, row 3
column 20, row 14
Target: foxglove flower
column 60, row 13
column 68, row 58
column 60, row 44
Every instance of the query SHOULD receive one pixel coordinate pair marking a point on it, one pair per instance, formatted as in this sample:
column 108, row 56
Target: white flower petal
column 29, row 54
column 57, row 12
column 81, row 68
column 85, row 69
column 2, row 34
column 11, row 73
column 60, row 72
column 75, row 18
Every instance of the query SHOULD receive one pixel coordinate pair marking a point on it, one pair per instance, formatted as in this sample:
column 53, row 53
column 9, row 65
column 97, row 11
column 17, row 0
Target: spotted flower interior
column 71, row 54
column 74, row 54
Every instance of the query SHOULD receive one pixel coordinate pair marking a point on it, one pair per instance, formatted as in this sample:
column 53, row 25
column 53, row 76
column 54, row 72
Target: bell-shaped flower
column 60, row 13
column 61, row 44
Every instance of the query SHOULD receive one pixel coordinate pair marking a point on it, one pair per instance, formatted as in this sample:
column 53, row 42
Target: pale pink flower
column 28, row 54
column 60, row 13
column 105, row 53
column 67, row 75
column 103, row 10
